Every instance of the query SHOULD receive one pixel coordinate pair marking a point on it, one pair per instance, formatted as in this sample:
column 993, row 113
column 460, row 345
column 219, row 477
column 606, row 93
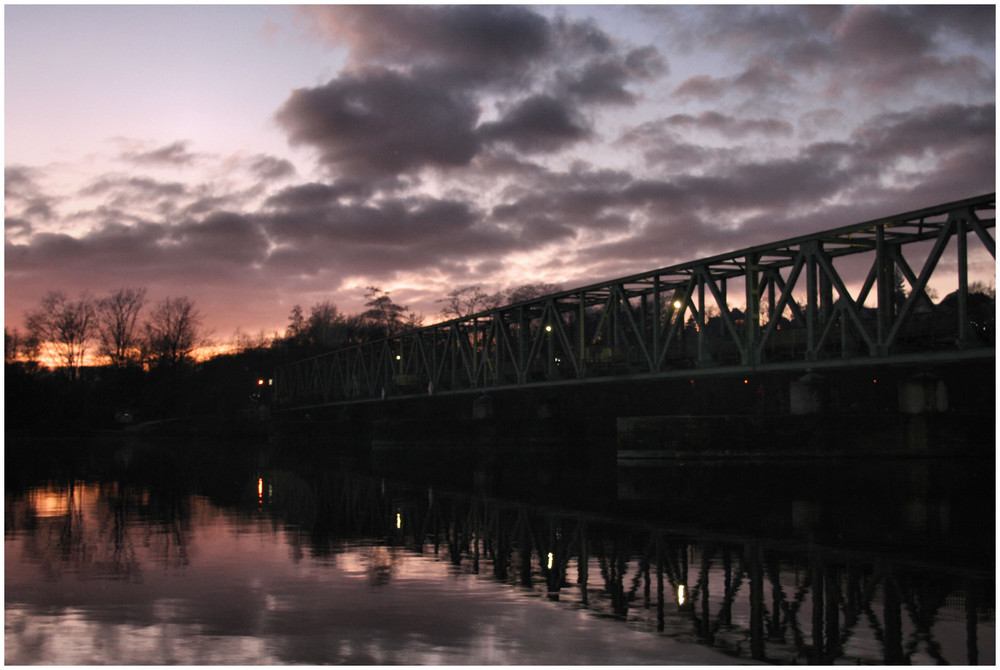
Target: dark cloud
column 271, row 168
column 382, row 239
column 16, row 226
column 646, row 63
column 19, row 181
column 977, row 23
column 224, row 237
column 473, row 42
column 379, row 121
column 412, row 99
column 539, row 124
column 24, row 196
column 869, row 34
column 390, row 222
column 924, row 131
column 308, row 196
column 602, row 82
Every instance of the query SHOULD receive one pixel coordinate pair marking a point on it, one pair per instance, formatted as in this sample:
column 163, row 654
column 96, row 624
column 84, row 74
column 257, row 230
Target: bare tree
column 20, row 348
column 117, row 324
column 173, row 331
column 245, row 342
column 469, row 300
column 67, row 326
column 529, row 292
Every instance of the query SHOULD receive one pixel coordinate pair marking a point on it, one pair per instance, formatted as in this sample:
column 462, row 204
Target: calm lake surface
column 178, row 551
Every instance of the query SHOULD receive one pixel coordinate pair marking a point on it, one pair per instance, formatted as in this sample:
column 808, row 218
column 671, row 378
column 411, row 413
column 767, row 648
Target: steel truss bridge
column 799, row 307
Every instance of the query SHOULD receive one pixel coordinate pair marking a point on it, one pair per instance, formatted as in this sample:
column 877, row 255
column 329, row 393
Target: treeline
column 126, row 332
column 326, row 328
column 121, row 359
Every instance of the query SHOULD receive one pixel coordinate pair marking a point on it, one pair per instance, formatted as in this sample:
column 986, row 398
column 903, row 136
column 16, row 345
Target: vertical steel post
column 751, row 319
column 522, row 369
column 809, row 248
column 657, row 323
column 702, row 349
column 883, row 282
column 963, row 281
column 581, row 322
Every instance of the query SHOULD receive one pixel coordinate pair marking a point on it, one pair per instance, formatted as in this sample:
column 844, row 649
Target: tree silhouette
column 117, row 325
column 67, row 326
column 173, row 331
column 386, row 315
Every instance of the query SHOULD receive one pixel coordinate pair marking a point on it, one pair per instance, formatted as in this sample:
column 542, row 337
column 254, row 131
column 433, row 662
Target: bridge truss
column 796, row 308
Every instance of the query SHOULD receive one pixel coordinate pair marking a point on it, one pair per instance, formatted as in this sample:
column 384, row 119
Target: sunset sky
column 257, row 157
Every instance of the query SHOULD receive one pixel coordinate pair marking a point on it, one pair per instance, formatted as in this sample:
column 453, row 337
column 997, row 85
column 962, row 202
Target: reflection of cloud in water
column 74, row 638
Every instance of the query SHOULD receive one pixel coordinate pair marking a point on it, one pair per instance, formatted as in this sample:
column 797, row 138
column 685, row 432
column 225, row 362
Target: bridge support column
column 482, row 407
column 807, row 394
column 922, row 394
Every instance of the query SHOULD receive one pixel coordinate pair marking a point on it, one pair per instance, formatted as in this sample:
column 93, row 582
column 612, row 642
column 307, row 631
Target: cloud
column 271, row 168
column 471, row 43
column 379, row 121
column 423, row 78
column 16, row 226
column 928, row 131
column 308, row 196
column 730, row 126
column 174, row 154
column 539, row 124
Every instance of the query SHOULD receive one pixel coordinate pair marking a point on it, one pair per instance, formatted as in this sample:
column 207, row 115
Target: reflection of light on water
column 50, row 502
column 399, row 520
column 681, row 594
column 260, row 490
column 549, row 564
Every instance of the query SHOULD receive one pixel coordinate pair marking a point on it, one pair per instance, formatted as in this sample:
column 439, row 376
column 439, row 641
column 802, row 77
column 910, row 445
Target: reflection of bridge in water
column 799, row 309
column 781, row 601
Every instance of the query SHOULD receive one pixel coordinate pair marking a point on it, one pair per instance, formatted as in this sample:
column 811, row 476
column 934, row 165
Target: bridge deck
column 851, row 296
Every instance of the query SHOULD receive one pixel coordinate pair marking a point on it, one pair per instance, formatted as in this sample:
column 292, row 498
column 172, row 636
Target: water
column 175, row 552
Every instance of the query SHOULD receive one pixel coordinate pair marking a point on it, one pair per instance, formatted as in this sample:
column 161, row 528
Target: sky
column 257, row 157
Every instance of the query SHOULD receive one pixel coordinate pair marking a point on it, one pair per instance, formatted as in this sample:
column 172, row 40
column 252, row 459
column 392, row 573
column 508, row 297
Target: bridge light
column 548, row 329
column 260, row 382
column 678, row 304
column 398, row 357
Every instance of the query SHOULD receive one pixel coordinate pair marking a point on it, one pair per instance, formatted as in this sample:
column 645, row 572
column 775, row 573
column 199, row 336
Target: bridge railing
column 857, row 292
